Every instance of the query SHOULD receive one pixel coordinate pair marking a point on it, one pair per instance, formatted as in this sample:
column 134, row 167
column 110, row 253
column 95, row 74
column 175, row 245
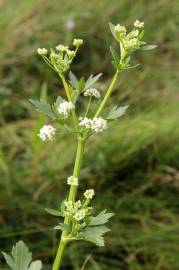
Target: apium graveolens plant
column 79, row 222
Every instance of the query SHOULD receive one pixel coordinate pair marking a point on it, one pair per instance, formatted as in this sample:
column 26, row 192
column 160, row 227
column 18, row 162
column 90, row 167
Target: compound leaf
column 100, row 219
column 21, row 258
column 73, row 80
column 94, row 234
column 116, row 112
column 92, row 80
column 43, row 106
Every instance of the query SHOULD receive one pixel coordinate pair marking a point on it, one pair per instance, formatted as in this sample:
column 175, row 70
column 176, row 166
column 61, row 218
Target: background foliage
column 133, row 167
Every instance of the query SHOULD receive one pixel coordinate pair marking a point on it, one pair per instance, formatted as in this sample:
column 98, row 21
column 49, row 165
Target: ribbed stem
column 71, row 197
column 107, row 95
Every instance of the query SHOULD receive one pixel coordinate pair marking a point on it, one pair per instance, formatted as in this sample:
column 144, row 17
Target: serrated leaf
column 116, row 112
column 8, row 259
column 43, row 106
column 53, row 212
column 112, row 26
column 21, row 258
column 148, row 47
column 73, row 80
column 62, row 227
column 94, row 234
column 36, row 265
column 100, row 219
column 92, row 80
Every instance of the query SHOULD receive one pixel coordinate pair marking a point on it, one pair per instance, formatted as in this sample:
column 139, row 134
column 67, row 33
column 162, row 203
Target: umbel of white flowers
column 72, row 181
column 65, row 107
column 92, row 92
column 61, row 58
column 97, row 124
column 47, row 132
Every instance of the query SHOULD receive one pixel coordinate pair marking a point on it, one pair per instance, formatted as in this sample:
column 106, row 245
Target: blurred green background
column 133, row 166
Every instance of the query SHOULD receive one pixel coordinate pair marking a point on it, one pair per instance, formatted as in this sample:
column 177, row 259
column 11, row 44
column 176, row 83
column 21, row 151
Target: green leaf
column 115, row 55
column 148, row 47
column 43, row 106
column 21, row 258
column 94, row 234
column 37, row 265
column 81, row 84
column 53, row 212
column 73, row 80
column 91, row 81
column 55, row 106
column 62, row 227
column 100, row 219
column 112, row 26
column 116, row 112
column 9, row 260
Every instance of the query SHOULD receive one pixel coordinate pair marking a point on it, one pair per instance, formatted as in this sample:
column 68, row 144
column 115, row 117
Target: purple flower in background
column 70, row 24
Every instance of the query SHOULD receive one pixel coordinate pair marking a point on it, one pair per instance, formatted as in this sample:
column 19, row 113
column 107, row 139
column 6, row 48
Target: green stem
column 59, row 256
column 71, row 197
column 107, row 95
column 67, row 90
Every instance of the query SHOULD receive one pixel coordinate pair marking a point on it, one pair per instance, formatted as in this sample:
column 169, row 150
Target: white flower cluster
column 130, row 41
column 65, row 107
column 92, row 92
column 139, row 24
column 42, row 51
column 62, row 48
column 75, row 210
column 47, row 132
column 71, row 208
column 79, row 215
column 97, row 124
column 77, row 42
column 72, row 181
column 85, row 122
column 89, row 193
column 120, row 29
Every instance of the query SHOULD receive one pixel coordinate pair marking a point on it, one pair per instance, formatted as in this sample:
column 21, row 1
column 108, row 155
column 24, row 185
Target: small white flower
column 133, row 33
column 65, row 107
column 120, row 29
column 132, row 43
column 79, row 215
column 42, row 51
column 73, row 181
column 71, row 208
column 89, row 193
column 70, row 24
column 68, row 205
column 77, row 42
column 138, row 24
column 85, row 122
column 47, row 132
column 92, row 92
column 71, row 53
column 77, row 204
column 98, row 124
column 62, row 48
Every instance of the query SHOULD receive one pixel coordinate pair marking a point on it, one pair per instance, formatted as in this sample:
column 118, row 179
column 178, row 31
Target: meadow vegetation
column 135, row 167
